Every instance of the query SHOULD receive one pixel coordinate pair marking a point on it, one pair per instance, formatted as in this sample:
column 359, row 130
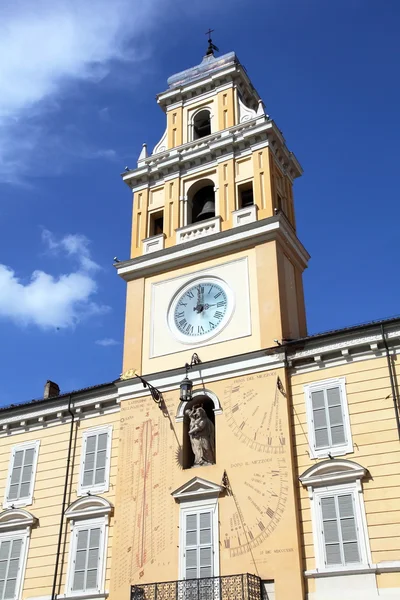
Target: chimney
column 50, row 389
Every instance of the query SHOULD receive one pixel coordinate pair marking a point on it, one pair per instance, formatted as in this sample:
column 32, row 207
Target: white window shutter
column 321, row 433
column 198, row 545
column 348, row 529
column 96, row 459
column 335, row 415
column 328, row 417
column 10, row 564
column 339, row 530
column 87, row 559
column 21, row 476
column 330, row 531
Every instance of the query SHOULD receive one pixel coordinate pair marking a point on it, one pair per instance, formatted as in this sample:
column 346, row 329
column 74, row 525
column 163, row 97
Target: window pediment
column 89, row 506
column 16, row 519
column 197, row 488
column 331, row 472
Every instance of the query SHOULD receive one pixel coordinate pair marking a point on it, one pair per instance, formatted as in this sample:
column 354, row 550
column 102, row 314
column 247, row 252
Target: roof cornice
column 54, row 411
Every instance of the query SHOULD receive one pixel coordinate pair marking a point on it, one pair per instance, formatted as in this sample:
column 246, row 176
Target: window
column 15, row 528
column 328, row 418
column 338, row 515
column 245, row 192
column 156, row 226
column 11, row 554
column 21, row 474
column 339, row 529
column 95, row 462
column 87, row 556
column 89, row 518
column 198, row 544
column 201, row 124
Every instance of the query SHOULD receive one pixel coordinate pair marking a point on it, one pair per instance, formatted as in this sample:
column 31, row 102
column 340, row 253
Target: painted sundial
column 256, row 504
column 258, row 486
column 254, row 416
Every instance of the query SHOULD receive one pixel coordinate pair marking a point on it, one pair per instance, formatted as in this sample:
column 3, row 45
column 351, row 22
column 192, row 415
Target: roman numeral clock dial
column 200, row 310
column 258, row 486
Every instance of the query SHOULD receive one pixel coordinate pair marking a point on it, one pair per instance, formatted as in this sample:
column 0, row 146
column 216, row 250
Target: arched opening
column 201, row 205
column 201, row 124
column 199, row 449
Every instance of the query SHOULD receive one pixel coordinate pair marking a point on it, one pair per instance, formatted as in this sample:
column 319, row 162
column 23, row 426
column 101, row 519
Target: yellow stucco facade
column 103, row 493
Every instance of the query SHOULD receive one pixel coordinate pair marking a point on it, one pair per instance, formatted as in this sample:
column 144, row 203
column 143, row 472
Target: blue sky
column 77, row 86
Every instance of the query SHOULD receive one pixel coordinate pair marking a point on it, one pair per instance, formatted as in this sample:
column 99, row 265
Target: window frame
column 24, row 535
column 339, row 450
column 103, row 487
column 28, row 500
column 350, row 488
column 76, row 526
column 198, row 506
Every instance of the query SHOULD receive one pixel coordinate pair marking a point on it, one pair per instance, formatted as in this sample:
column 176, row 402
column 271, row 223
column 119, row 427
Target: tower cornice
column 274, row 228
column 251, row 135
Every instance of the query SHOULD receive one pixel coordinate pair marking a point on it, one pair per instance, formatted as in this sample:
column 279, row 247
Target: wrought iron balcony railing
column 228, row 587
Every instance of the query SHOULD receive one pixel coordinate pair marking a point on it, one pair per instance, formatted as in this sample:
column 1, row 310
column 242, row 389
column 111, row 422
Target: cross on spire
column 211, row 46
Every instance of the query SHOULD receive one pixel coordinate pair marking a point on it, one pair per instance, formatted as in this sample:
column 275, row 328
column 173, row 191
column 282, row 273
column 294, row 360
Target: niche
column 207, row 404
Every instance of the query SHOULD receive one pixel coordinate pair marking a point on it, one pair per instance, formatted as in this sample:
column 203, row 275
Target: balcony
column 198, row 230
column 228, row 587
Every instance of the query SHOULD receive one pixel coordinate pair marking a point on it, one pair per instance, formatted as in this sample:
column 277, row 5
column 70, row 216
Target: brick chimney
column 51, row 389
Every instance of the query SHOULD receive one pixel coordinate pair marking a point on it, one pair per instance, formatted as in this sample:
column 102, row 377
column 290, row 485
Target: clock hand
column 199, row 306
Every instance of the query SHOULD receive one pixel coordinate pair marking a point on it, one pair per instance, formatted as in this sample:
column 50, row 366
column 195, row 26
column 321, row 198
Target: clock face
column 200, row 310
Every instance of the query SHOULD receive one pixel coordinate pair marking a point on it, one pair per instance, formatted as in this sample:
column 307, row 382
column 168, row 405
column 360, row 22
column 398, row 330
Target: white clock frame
column 199, row 280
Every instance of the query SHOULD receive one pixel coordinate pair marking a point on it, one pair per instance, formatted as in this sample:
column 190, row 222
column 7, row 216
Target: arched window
column 201, row 205
column 15, row 533
column 338, row 515
column 201, row 124
column 89, row 518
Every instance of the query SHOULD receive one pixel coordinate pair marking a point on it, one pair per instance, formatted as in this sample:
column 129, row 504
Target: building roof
column 343, row 330
column 208, row 66
column 60, row 396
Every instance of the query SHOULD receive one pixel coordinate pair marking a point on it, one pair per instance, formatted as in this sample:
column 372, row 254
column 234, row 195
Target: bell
column 207, row 212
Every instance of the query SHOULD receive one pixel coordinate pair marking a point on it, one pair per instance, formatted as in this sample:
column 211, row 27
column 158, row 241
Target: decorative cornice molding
column 196, row 489
column 207, row 372
column 255, row 133
column 332, row 472
column 85, row 404
column 238, row 238
column 16, row 519
column 342, row 348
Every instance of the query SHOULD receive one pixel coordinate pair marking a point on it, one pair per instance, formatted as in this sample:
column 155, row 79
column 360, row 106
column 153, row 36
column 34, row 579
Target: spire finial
column 211, row 46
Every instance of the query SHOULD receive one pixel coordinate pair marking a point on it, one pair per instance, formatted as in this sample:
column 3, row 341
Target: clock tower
column 206, row 487
column 215, row 263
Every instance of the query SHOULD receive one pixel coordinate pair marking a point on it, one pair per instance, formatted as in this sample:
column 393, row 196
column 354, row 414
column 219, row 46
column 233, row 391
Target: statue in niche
column 201, row 434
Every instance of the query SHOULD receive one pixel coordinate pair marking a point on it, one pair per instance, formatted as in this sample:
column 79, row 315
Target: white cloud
column 48, row 301
column 107, row 342
column 44, row 46
column 75, row 245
